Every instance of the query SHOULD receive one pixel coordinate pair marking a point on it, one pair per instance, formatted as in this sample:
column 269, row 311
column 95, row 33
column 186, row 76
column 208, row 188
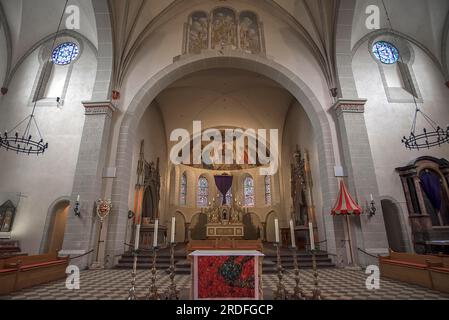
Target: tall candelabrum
column 281, row 292
column 153, row 293
column 298, row 293
column 132, row 291
column 316, row 293
column 172, row 292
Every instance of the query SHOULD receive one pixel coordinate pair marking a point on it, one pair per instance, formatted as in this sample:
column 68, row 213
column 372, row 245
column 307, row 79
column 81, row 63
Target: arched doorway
column 55, row 226
column 393, row 225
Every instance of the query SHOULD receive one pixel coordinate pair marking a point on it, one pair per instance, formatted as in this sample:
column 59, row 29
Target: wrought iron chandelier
column 428, row 137
column 24, row 142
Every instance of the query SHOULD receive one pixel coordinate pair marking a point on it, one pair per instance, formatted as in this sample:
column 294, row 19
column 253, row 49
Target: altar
column 227, row 275
column 216, row 231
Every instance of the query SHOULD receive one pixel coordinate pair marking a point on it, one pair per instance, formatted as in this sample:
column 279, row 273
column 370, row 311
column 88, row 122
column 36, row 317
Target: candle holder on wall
column 153, row 293
column 281, row 292
column 172, row 292
column 298, row 293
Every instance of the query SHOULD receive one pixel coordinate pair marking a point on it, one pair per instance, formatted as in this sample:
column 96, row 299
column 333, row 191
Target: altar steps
column 183, row 265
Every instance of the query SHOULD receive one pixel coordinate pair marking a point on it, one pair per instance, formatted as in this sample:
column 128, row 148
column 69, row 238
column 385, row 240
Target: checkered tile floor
column 335, row 284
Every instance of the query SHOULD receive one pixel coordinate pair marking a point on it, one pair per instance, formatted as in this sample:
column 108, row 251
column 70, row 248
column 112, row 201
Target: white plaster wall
column 46, row 178
column 388, row 122
column 298, row 132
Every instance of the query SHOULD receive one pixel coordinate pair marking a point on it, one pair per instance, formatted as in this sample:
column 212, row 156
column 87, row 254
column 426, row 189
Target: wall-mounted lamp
column 372, row 207
column 77, row 208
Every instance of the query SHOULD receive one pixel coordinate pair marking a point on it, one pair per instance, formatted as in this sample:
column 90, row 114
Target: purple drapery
column 223, row 183
column 431, row 184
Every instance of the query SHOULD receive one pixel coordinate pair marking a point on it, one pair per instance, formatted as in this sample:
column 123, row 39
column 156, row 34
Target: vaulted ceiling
column 133, row 21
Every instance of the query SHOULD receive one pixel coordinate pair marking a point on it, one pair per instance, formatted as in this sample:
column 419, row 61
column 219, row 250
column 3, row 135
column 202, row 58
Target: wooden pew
column 18, row 273
column 440, row 275
column 409, row 268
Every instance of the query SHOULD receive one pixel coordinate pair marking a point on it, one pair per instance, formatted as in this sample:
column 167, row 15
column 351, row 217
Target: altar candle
column 276, row 226
column 78, row 198
column 292, row 233
column 372, row 198
column 173, row 227
column 312, row 239
column 156, row 229
column 137, row 237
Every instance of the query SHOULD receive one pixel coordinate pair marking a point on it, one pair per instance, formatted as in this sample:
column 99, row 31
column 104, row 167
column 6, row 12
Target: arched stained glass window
column 268, row 190
column 183, row 191
column 385, row 52
column 248, row 189
column 203, row 192
column 65, row 53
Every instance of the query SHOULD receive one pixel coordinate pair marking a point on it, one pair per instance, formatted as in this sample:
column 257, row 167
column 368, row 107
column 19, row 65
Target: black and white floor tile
column 335, row 284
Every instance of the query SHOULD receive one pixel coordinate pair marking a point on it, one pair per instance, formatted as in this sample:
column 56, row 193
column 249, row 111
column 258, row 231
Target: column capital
column 349, row 106
column 98, row 107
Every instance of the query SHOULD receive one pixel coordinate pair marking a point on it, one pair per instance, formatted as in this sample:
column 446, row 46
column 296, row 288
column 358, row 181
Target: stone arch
column 53, row 210
column 394, row 223
column 210, row 60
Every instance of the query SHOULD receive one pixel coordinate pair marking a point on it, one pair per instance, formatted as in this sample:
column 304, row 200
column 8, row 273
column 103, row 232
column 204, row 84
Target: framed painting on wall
column 7, row 215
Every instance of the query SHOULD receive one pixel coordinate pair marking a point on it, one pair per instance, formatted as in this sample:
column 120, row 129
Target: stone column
column 81, row 233
column 370, row 233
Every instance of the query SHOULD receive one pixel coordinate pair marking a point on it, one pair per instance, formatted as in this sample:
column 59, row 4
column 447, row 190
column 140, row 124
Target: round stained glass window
column 65, row 53
column 385, row 52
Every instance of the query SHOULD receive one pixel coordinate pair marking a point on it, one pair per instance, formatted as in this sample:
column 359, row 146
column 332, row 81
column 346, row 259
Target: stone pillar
column 81, row 233
column 370, row 233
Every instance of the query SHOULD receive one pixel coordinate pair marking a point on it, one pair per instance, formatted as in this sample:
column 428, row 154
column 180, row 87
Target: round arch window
column 385, row 52
column 65, row 53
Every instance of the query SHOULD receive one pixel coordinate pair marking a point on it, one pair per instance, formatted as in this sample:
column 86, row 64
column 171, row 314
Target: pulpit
column 226, row 275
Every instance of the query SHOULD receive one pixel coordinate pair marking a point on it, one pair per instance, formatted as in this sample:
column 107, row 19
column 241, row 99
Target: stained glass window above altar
column 248, row 187
column 203, row 192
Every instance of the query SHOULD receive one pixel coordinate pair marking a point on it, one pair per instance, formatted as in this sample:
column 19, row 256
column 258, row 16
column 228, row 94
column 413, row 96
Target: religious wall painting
column 249, row 32
column 224, row 29
column 7, row 214
column 198, row 32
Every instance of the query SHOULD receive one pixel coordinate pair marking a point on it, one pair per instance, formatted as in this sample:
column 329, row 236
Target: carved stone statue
column 298, row 189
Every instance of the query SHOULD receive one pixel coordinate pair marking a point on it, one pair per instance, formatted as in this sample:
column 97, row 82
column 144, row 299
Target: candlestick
column 276, row 226
column 312, row 238
column 292, row 233
column 172, row 292
column 281, row 292
column 173, row 228
column 156, row 229
column 137, row 238
column 153, row 293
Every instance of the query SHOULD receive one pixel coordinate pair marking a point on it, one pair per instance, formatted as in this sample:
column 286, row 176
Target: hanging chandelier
column 429, row 137
column 24, row 142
